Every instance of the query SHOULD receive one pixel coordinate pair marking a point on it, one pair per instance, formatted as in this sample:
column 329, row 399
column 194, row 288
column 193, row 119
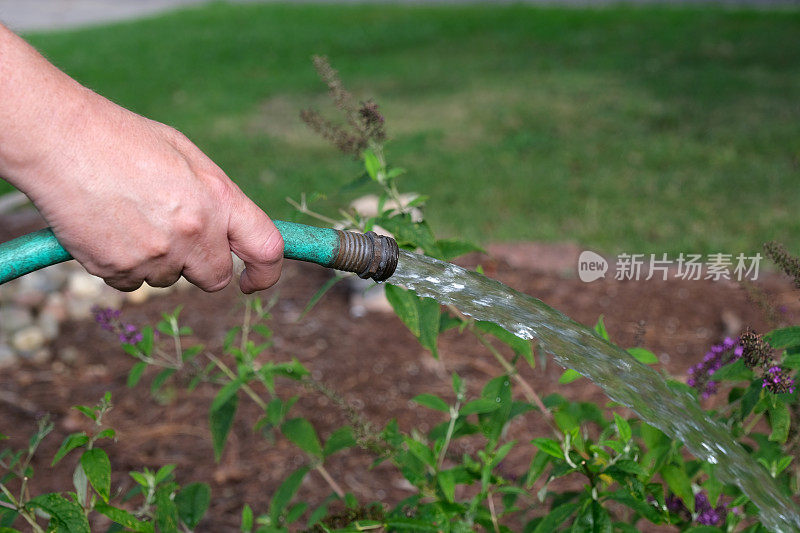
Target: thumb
column 256, row 241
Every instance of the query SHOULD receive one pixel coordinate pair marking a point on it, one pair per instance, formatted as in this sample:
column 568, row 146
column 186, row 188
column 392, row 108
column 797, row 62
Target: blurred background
column 624, row 128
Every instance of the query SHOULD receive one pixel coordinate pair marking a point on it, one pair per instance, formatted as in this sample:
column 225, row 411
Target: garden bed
column 372, row 361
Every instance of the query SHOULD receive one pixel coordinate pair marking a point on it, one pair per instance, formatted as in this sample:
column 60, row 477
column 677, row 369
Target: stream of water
column 623, row 378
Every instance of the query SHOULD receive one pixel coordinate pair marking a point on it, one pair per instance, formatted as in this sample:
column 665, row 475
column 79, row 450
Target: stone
column 144, row 293
column 55, row 305
column 78, row 308
column 69, row 354
column 28, row 339
column 7, row 356
column 84, row 286
column 14, row 317
column 40, row 356
column 366, row 297
column 49, row 324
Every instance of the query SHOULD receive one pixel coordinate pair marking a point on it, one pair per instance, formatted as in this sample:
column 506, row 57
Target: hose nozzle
column 367, row 254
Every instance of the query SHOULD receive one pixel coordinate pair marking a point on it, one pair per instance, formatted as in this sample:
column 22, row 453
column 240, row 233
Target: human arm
column 131, row 199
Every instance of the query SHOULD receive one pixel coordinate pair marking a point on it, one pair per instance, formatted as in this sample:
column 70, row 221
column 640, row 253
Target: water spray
column 367, row 254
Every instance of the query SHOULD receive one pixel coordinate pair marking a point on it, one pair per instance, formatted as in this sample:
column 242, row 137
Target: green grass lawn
column 639, row 130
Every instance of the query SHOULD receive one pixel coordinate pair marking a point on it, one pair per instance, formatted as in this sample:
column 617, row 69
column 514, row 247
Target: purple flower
column 707, row 515
column 718, row 356
column 130, row 334
column 777, row 381
column 107, row 318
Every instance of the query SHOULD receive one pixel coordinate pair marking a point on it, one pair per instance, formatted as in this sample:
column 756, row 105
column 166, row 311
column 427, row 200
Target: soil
column 373, row 362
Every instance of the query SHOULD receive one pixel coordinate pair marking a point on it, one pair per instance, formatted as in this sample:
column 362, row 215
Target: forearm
column 39, row 107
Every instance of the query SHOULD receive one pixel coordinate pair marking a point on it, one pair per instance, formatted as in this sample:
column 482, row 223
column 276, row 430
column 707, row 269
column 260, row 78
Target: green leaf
column 411, row 524
column 398, row 171
column 643, row 356
column 791, row 361
column 371, row 164
column 123, row 518
column 735, row 371
column 65, row 515
column 430, row 314
column 555, row 518
column 166, row 510
column 784, row 337
column 164, row 472
column 319, row 294
column 295, row 512
column 569, row 376
column 420, row 451
column 538, row 464
column 247, row 519
column 339, row 440
column 481, row 405
column 75, row 440
column 521, row 347
column 432, row 402
column 88, row 412
column 404, row 304
column 600, row 329
column 146, row 344
column 549, row 446
column 136, row 373
column 679, row 483
column 452, row 248
column 302, row 434
column 779, row 421
column 447, row 483
column 623, row 428
column 160, row 379
column 97, row 467
column 220, row 422
column 225, row 393
column 285, row 493
column 192, row 503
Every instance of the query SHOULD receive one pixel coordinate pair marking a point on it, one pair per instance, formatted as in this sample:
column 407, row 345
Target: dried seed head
column 788, row 263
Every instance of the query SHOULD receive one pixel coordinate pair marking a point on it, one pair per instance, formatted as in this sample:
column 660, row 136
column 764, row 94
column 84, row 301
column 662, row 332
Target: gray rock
column 49, row 324
column 14, row 317
column 78, row 308
column 82, row 285
column 7, row 356
column 40, row 356
column 28, row 339
column 55, row 305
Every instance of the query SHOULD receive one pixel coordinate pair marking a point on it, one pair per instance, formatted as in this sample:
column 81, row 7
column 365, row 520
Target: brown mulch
column 373, row 362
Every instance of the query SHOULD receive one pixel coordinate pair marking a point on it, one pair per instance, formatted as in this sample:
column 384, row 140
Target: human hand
column 131, row 199
column 134, row 200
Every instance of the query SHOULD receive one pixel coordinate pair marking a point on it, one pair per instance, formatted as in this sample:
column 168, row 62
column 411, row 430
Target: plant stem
column 245, row 387
column 332, row 482
column 177, row 337
column 755, row 420
column 527, row 390
column 303, row 208
column 493, row 512
column 246, row 324
column 449, row 435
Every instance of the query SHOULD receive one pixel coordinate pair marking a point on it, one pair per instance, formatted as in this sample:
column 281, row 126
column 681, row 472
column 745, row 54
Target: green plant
column 623, row 473
column 164, row 505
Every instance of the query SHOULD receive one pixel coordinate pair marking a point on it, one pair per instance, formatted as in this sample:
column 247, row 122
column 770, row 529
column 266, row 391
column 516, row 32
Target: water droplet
column 498, row 400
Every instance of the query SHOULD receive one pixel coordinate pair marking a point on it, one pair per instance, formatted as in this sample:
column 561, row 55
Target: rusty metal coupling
column 367, row 254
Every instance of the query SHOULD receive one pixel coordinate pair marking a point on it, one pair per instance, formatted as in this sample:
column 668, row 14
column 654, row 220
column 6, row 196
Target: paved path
column 23, row 15
column 49, row 14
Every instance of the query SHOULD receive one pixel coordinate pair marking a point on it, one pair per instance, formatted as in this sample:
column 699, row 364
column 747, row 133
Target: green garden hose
column 367, row 254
